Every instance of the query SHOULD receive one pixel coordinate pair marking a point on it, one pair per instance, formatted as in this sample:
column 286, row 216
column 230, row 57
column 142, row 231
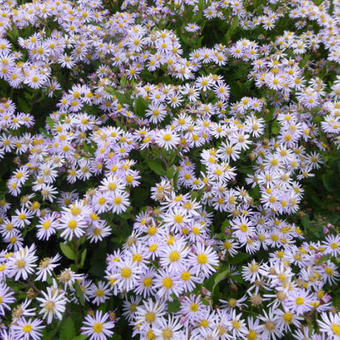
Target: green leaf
column 275, row 128
column 120, row 96
column 44, row 132
column 123, row 81
column 67, row 331
column 176, row 180
column 231, row 29
column 80, row 337
column 221, row 275
column 239, row 258
column 140, row 106
column 49, row 280
column 23, row 105
column 174, row 306
column 327, row 181
column 170, row 172
column 156, row 167
column 67, row 251
column 79, row 293
column 116, row 337
column 83, row 258
column 50, row 122
column 89, row 148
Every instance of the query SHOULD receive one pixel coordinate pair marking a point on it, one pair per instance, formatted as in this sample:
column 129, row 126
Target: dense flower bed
column 153, row 161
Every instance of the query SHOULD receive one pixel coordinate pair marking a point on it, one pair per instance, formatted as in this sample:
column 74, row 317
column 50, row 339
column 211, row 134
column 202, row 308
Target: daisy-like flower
column 167, row 283
column 330, row 325
column 6, row 298
column 270, row 328
column 149, row 313
column 22, row 263
column 203, row 260
column 251, row 271
column 27, row 329
column 127, row 274
column 189, row 279
column 72, row 226
column 299, row 301
column 98, row 327
column 120, row 202
column 287, row 319
column 69, row 277
column 145, row 285
column 22, row 310
column 174, row 257
column 46, row 267
column 169, row 329
column 192, row 27
column 192, row 308
column 100, row 293
column 47, row 226
column 237, row 326
column 242, row 228
column 332, row 244
column 167, row 139
column 52, row 304
column 130, row 307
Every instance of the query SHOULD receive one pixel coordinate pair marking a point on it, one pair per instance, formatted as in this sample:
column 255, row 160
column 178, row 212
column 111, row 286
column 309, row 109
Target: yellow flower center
column 299, row 300
column 126, row 272
column 147, row 281
column 72, row 224
column 21, row 264
column 150, row 317
column 335, row 329
column 27, row 328
column 167, row 283
column 174, row 256
column 202, row 259
column 97, row 327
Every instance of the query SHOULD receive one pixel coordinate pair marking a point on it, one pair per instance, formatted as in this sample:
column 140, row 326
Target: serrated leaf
column 67, row 251
column 156, row 167
column 67, row 331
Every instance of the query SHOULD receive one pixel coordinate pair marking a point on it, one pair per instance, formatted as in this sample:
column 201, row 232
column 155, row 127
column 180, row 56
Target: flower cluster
column 137, row 135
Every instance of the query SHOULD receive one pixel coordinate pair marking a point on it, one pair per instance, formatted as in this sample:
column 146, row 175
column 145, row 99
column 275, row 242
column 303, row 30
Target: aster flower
column 52, row 304
column 22, row 263
column 98, row 327
column 6, row 298
column 28, row 329
column 203, row 260
column 330, row 325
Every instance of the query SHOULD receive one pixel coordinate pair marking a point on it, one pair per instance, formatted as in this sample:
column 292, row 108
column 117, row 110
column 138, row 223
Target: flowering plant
column 156, row 158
